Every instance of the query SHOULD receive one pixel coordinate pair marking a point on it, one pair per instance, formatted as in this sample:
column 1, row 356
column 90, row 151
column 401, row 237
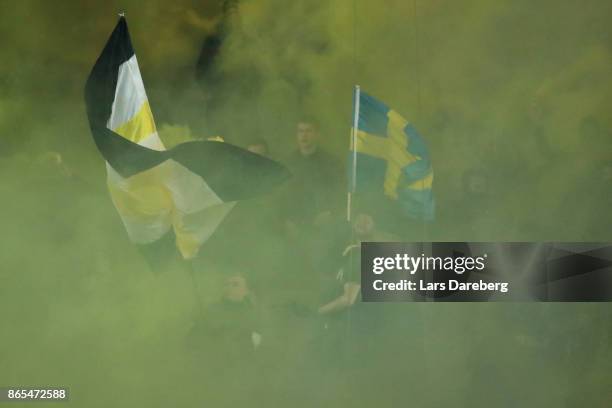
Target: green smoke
column 519, row 90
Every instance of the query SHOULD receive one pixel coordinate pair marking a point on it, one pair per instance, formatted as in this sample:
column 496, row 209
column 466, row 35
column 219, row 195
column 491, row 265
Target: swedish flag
column 389, row 156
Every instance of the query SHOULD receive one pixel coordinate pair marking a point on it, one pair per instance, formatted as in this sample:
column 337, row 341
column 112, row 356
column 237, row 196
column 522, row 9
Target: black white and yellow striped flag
column 189, row 188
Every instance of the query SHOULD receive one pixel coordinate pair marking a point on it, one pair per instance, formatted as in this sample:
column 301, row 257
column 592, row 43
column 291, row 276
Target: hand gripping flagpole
column 354, row 147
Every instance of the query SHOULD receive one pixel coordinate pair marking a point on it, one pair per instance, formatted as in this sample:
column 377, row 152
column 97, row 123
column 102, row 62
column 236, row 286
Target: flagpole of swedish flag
column 357, row 95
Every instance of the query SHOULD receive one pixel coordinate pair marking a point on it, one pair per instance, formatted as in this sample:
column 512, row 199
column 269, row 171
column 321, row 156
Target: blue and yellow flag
column 389, row 156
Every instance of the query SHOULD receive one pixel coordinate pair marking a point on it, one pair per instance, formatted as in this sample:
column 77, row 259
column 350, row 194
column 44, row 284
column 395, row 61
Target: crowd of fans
column 303, row 258
column 289, row 313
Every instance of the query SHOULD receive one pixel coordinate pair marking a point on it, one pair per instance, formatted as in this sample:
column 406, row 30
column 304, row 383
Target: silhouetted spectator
column 231, row 323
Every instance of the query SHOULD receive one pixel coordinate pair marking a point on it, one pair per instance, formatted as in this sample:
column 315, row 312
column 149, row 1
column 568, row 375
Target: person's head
column 307, row 136
column 230, row 8
column 231, row 14
column 258, row 146
column 236, row 288
column 363, row 224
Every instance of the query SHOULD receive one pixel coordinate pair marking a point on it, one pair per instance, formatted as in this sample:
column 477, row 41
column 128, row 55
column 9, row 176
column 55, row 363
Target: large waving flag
column 390, row 157
column 189, row 188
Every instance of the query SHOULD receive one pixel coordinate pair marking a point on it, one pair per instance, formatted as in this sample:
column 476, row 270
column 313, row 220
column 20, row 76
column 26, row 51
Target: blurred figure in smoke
column 311, row 199
column 520, row 341
column 315, row 189
column 472, row 206
column 365, row 229
column 254, row 226
column 347, row 277
column 534, row 130
column 347, row 326
column 225, row 341
column 232, row 322
column 307, row 137
column 216, row 81
column 217, row 29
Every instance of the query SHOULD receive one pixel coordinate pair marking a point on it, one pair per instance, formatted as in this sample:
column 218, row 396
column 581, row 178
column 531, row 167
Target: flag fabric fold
column 388, row 156
column 189, row 188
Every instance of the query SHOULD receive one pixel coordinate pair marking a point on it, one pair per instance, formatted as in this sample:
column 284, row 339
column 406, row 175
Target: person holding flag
column 185, row 191
column 388, row 160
